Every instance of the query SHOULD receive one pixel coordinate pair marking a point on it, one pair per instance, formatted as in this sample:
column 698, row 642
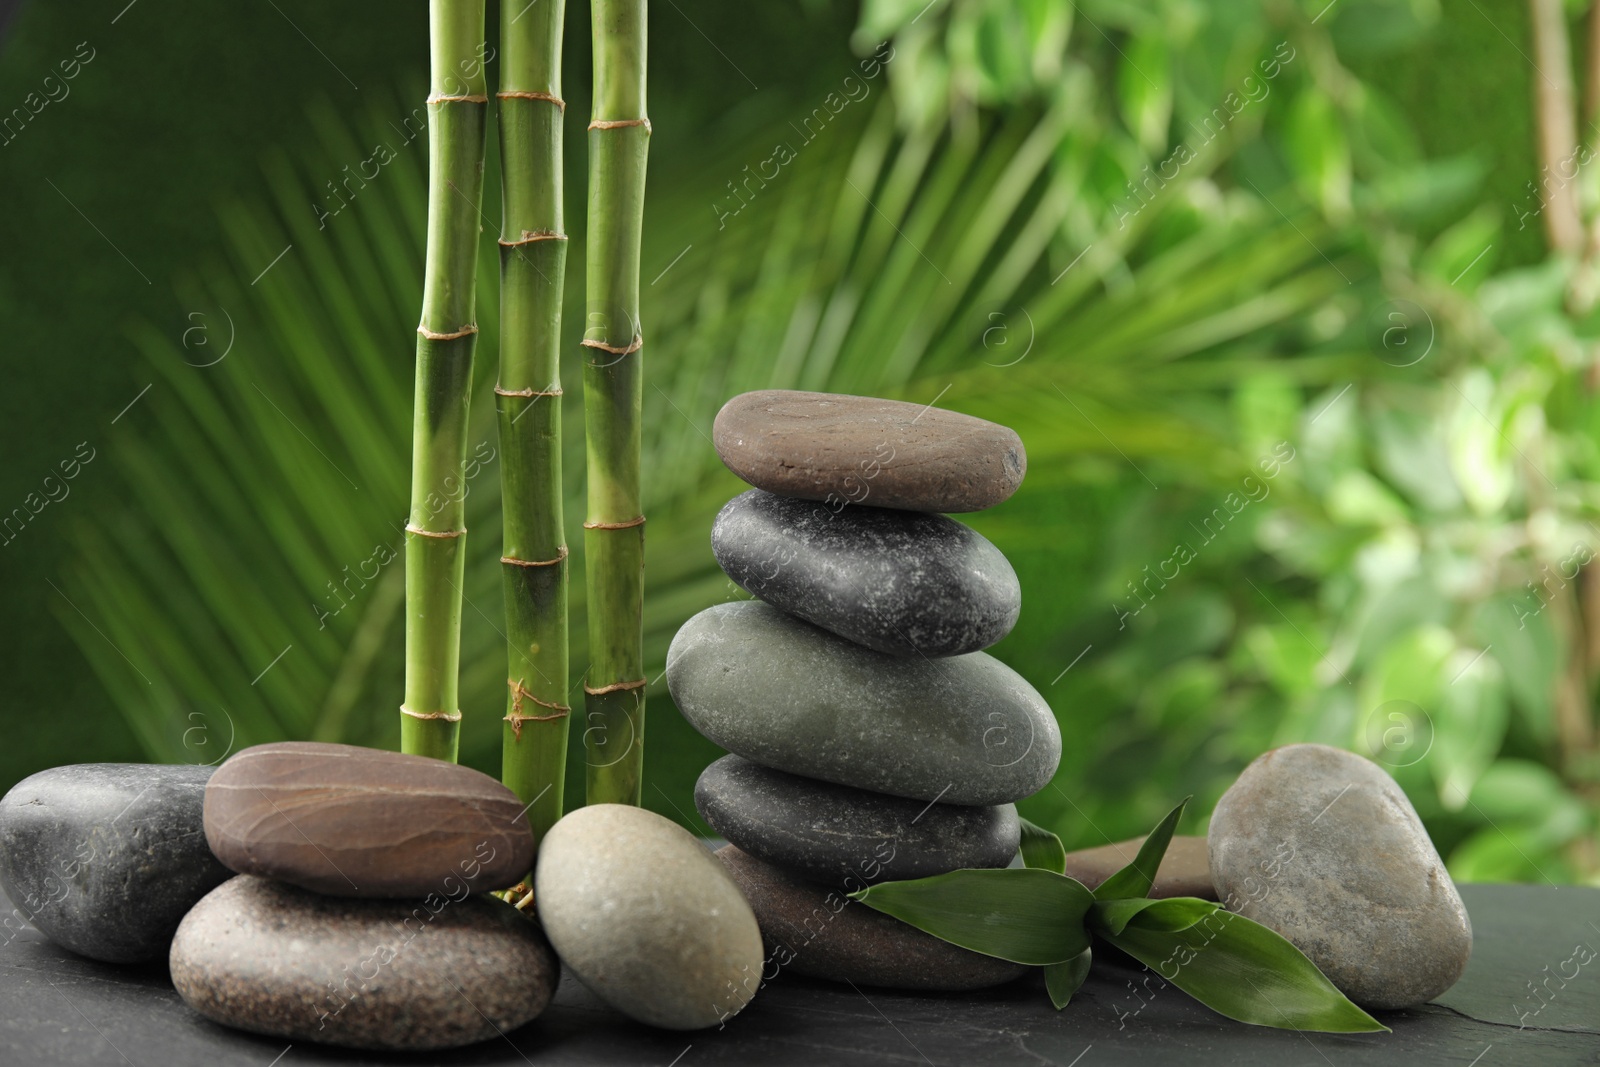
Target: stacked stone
column 871, row 739
column 359, row 915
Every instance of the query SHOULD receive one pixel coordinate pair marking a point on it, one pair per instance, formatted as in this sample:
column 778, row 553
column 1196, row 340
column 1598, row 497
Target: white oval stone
column 647, row 918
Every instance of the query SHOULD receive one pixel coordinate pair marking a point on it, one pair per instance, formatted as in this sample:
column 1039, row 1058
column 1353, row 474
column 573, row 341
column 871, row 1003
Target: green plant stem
column 533, row 263
column 613, row 540
column 435, row 531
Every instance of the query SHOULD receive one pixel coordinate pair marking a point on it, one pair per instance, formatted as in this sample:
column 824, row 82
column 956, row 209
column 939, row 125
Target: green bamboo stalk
column 613, row 538
column 533, row 263
column 435, row 531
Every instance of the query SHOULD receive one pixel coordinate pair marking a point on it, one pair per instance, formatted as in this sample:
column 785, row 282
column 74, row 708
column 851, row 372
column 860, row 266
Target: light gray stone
column 1323, row 846
column 789, row 695
column 647, row 918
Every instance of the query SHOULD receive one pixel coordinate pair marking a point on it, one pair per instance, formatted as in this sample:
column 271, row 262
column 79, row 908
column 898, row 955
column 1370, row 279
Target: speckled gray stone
column 1323, row 846
column 847, row 837
column 847, row 450
column 432, row 973
column 105, row 858
column 822, row 933
column 1185, row 869
column 900, row 582
column 790, row 695
column 362, row 822
column 647, row 918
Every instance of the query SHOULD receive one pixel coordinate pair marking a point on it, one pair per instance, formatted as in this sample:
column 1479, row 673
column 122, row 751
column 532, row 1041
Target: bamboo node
column 515, row 716
column 637, row 343
column 527, row 392
column 615, row 687
column 444, row 716
column 465, row 331
column 529, row 94
column 442, row 534
column 617, row 124
column 446, row 98
column 530, row 236
column 536, row 562
column 630, row 524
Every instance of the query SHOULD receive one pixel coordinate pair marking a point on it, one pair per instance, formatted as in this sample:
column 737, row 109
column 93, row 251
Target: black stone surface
column 848, row 837
column 900, row 582
column 108, row 857
column 60, row 1009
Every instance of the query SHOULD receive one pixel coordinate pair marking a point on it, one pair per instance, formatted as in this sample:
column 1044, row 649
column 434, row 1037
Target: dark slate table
column 1530, row 996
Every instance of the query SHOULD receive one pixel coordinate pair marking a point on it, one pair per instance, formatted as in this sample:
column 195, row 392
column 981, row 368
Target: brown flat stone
column 379, row 974
column 359, row 822
column 861, row 450
column 1185, row 870
column 824, row 934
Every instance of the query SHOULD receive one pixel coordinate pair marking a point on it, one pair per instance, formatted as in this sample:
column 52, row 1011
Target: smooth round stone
column 432, row 973
column 824, row 934
column 360, row 822
column 105, row 858
column 1323, row 846
column 900, row 582
column 786, row 694
column 1185, row 870
column 848, row 837
column 861, row 450
column 647, row 918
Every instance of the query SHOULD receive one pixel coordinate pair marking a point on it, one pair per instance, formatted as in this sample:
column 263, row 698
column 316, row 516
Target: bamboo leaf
column 1062, row 980
column 1042, row 849
column 1021, row 914
column 1241, row 969
column 1171, row 915
column 1136, row 878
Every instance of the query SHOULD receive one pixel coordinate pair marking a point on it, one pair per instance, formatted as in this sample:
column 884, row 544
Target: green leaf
column 1136, row 878
column 1021, row 914
column 1064, row 979
column 1042, row 849
column 1241, row 969
column 1171, row 915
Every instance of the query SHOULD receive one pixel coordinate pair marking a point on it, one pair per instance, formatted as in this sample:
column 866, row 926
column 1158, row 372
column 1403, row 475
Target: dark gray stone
column 847, row 450
column 848, row 837
column 787, row 694
column 900, row 582
column 105, row 858
column 824, row 934
column 1323, row 846
column 433, row 973
column 1185, row 869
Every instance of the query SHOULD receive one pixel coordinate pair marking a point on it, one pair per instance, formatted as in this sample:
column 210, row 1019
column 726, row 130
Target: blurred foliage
column 1295, row 452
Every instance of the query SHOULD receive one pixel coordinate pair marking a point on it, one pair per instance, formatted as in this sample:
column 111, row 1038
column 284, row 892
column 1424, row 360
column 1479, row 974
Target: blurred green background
column 1290, row 302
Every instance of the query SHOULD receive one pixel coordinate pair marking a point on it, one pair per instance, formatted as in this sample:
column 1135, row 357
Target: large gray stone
column 105, row 858
column 847, row 450
column 362, row 822
column 787, row 694
column 647, row 918
column 1323, row 846
column 432, row 973
column 848, row 837
column 824, row 934
column 900, row 582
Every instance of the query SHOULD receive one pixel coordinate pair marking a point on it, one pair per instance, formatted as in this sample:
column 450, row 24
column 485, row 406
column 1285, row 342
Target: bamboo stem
column 613, row 540
column 533, row 262
column 1558, row 126
column 436, row 532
